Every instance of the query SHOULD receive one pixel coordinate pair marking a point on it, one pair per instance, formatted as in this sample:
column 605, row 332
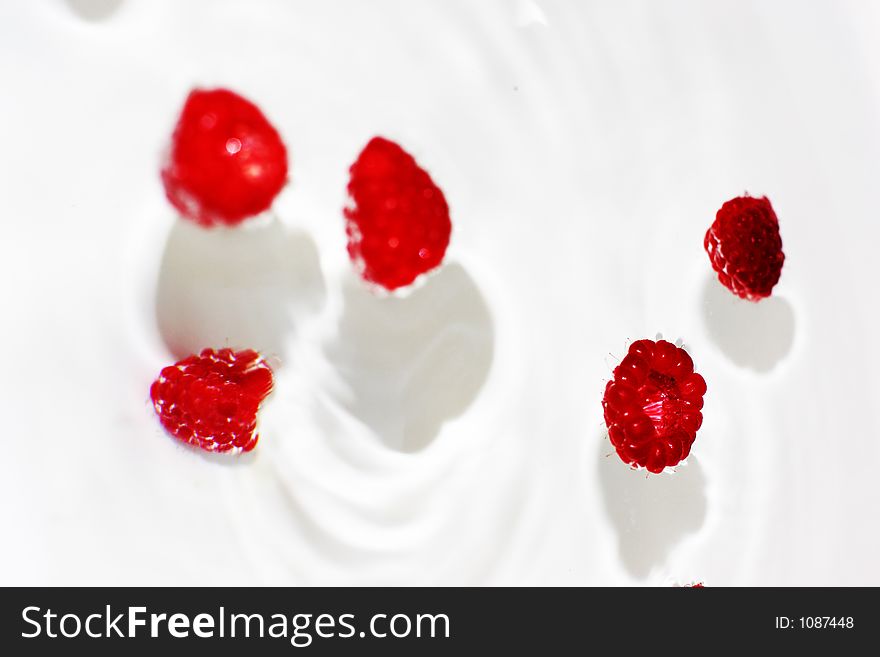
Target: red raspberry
column 745, row 248
column 226, row 162
column 211, row 400
column 398, row 227
column 652, row 407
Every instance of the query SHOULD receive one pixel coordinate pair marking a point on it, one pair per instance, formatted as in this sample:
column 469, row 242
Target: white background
column 454, row 435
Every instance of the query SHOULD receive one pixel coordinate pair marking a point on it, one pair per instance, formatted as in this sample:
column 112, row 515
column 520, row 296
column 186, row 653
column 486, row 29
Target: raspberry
column 211, row 400
column 745, row 248
column 226, row 162
column 398, row 226
column 652, row 407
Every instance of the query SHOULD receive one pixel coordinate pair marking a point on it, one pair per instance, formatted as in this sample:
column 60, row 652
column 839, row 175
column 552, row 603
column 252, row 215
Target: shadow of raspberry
column 245, row 287
column 94, row 10
column 650, row 513
column 410, row 363
column 752, row 335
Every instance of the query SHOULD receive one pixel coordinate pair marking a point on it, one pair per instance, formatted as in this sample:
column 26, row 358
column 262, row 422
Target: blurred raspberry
column 398, row 224
column 652, row 406
column 745, row 248
column 211, row 400
column 226, row 161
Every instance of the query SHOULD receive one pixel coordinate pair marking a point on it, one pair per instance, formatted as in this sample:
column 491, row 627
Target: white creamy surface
column 453, row 435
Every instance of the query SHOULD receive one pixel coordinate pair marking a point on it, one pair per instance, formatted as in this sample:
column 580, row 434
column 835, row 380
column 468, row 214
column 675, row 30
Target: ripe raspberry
column 226, row 161
column 652, row 407
column 211, row 400
column 745, row 248
column 398, row 226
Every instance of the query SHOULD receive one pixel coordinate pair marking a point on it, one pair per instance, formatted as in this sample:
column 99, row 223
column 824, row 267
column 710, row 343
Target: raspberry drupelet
column 226, row 162
column 745, row 248
column 211, row 400
column 398, row 223
column 652, row 406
